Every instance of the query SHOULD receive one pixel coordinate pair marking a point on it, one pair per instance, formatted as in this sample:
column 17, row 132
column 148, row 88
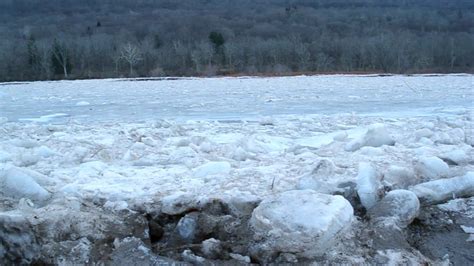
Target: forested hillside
column 55, row 39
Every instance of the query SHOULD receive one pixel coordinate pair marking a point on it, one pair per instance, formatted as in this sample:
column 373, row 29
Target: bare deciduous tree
column 61, row 56
column 131, row 54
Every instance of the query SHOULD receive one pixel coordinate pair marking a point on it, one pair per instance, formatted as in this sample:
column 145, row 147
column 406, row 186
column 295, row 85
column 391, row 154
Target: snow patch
column 5, row 156
column 212, row 169
column 44, row 152
column 316, row 141
column 44, row 118
column 82, row 103
column 452, row 137
column 266, row 121
column 423, row 133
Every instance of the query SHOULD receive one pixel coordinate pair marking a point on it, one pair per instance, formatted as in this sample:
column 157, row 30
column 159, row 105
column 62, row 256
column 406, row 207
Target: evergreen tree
column 157, row 42
column 216, row 39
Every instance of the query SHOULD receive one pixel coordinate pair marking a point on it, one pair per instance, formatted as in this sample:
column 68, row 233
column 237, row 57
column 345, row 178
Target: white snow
column 44, row 118
column 5, row 156
column 368, row 185
column 44, row 152
column 240, row 154
column 237, row 98
column 451, row 137
column 319, row 140
column 423, row 133
column 212, row 169
column 443, row 189
column 266, row 121
column 82, row 103
column 301, row 221
column 27, row 159
column 24, row 143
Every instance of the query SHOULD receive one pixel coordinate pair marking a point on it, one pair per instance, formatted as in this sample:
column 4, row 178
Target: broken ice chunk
column 376, row 136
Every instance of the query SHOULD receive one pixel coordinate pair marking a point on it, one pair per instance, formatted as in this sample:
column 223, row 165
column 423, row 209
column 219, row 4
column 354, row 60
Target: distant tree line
column 58, row 39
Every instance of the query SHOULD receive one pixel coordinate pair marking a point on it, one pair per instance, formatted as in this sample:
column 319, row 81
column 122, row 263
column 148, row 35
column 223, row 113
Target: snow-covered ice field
column 233, row 98
column 141, row 145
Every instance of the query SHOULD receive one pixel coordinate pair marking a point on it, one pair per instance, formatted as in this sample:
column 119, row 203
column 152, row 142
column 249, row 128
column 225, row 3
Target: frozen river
column 82, row 163
column 115, row 100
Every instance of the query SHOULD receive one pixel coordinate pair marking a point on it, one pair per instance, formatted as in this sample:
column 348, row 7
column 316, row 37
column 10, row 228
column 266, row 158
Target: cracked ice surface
column 136, row 141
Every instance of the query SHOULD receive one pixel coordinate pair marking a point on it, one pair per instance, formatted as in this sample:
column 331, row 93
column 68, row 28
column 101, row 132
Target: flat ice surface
column 232, row 98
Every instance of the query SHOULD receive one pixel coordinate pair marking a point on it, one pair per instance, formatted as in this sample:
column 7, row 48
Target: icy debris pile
column 133, row 251
column 303, row 222
column 82, row 103
column 375, row 136
column 206, row 230
column 284, row 227
column 70, row 232
column 18, row 243
column 212, row 192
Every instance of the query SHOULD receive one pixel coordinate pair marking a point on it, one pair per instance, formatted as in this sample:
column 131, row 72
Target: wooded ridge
column 58, row 39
